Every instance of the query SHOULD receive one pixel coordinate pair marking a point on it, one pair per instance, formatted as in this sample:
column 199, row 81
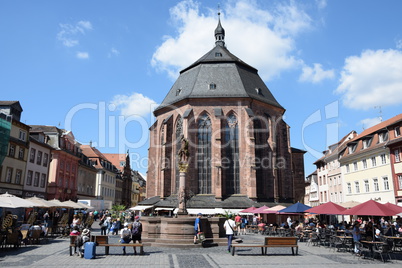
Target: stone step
column 183, row 243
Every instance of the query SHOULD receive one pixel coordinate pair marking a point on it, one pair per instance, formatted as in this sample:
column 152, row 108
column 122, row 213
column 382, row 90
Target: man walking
column 197, row 227
column 230, row 227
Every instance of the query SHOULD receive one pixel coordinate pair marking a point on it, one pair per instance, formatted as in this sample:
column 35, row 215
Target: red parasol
column 328, row 208
column 370, row 208
column 260, row 210
column 397, row 208
column 250, row 209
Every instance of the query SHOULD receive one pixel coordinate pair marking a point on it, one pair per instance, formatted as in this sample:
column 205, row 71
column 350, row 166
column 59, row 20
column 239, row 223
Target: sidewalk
column 56, row 253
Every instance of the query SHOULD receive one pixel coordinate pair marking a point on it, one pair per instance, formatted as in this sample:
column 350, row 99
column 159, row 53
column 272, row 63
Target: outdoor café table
column 252, row 228
column 346, row 240
column 394, row 240
column 371, row 245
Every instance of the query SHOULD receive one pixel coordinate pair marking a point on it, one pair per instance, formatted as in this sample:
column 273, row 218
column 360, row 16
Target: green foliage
column 118, row 208
column 227, row 213
column 117, row 211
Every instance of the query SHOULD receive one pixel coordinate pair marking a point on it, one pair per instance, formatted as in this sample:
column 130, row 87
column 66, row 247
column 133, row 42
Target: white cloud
column 84, row 25
column 134, row 105
column 321, row 4
column 68, row 33
column 315, row 74
column 113, row 52
column 82, row 55
column 399, row 44
column 262, row 38
column 369, row 122
column 372, row 79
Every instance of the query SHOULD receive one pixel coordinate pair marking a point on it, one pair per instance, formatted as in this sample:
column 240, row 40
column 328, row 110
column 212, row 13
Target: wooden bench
column 271, row 242
column 102, row 241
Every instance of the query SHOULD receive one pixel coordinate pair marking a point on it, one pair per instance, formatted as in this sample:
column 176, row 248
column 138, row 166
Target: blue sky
column 100, row 67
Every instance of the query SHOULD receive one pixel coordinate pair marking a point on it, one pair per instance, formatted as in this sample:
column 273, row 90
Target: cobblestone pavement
column 55, row 253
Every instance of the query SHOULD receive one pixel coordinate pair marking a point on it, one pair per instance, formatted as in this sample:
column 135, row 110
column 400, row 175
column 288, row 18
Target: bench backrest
column 280, row 240
column 100, row 239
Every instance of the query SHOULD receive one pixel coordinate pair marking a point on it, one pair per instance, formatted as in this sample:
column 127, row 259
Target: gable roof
column 378, row 127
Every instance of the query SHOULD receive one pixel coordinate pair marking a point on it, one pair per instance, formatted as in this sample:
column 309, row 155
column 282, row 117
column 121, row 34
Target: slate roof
column 44, row 128
column 232, row 76
column 208, row 201
column 10, row 103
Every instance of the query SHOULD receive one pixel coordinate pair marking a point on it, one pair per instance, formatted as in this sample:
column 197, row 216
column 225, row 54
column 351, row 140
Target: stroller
column 81, row 240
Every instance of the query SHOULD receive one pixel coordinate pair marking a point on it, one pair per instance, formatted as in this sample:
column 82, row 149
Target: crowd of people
column 110, row 224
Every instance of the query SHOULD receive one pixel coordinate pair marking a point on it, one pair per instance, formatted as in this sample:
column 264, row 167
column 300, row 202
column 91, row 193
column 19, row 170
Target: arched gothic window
column 230, row 153
column 259, row 155
column 204, row 154
column 179, row 133
column 263, row 157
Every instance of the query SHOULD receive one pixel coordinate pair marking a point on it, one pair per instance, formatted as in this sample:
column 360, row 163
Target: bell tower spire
column 219, row 33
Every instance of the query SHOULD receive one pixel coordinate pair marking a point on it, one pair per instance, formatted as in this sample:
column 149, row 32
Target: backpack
column 126, row 234
column 136, row 230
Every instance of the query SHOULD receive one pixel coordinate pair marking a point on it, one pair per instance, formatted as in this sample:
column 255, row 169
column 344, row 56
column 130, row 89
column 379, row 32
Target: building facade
column 122, row 163
column 13, row 167
column 37, row 170
column 395, row 147
column 63, row 167
column 106, row 175
column 86, row 180
column 329, row 173
column 366, row 166
column 312, row 194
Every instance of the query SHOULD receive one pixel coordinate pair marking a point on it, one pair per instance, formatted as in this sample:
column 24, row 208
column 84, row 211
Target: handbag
column 200, row 236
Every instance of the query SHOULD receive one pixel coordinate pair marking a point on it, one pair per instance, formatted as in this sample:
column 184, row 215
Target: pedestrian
column 243, row 225
column 125, row 236
column 103, row 225
column 46, row 218
column 136, row 231
column 356, row 236
column 109, row 222
column 230, row 227
column 197, row 226
column 238, row 222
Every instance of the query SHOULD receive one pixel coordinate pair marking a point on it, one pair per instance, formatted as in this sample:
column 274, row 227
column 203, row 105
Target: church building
column 239, row 152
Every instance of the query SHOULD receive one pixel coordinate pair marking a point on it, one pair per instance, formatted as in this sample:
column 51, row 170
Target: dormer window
column 218, row 54
column 352, row 147
column 382, row 137
column 397, row 131
column 258, row 91
column 178, row 91
column 212, row 86
column 367, row 143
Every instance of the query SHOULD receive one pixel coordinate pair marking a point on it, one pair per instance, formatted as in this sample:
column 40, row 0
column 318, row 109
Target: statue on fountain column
column 183, row 155
column 183, row 152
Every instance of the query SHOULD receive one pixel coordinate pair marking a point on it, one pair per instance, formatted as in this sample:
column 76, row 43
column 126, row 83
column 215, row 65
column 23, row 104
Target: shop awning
column 164, row 208
column 140, row 207
column 213, row 211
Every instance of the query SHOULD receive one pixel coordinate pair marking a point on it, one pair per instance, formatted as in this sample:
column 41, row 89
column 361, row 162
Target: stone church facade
column 238, row 143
